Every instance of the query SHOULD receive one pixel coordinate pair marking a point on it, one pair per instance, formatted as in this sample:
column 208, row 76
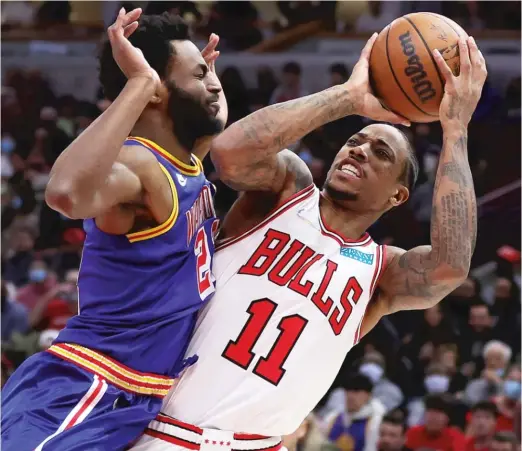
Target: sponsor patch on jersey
column 362, row 257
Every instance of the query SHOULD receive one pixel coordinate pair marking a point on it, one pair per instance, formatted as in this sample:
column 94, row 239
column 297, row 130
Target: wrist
column 143, row 84
column 454, row 128
column 346, row 98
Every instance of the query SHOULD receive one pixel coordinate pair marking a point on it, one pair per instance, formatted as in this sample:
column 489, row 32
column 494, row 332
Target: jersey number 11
column 270, row 368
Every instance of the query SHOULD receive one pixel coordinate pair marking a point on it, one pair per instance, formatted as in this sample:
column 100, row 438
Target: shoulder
column 139, row 160
column 296, row 168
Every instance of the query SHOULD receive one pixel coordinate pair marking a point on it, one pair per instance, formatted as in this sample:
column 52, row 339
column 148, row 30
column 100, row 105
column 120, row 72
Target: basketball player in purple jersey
column 136, row 178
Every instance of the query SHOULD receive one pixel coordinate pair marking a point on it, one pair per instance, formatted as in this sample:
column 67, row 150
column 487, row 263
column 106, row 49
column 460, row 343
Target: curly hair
column 152, row 37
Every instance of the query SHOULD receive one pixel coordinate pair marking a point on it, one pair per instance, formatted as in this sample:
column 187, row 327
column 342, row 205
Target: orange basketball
column 403, row 71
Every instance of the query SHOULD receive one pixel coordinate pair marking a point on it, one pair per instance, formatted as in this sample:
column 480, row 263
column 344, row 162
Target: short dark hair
column 339, row 68
column 410, row 172
column 153, row 38
column 485, row 406
column 358, row 382
column 440, row 402
column 292, row 68
column 395, row 417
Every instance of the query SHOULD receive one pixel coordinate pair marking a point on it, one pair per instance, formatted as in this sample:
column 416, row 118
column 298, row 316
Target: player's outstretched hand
column 365, row 102
column 129, row 58
column 462, row 93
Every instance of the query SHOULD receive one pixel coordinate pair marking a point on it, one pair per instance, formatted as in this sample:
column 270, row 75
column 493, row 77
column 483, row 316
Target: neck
column 347, row 223
column 154, row 129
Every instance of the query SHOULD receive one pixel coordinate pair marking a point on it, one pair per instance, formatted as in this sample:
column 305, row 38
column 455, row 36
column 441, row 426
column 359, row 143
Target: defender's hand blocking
column 129, row 58
column 365, row 103
column 462, row 93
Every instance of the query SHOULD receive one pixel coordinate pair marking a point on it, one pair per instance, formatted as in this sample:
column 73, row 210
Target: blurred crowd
column 244, row 24
column 447, row 378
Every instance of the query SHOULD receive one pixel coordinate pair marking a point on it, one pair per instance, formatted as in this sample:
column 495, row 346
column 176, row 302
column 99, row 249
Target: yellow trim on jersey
column 198, row 162
column 165, row 226
column 186, row 169
column 113, row 371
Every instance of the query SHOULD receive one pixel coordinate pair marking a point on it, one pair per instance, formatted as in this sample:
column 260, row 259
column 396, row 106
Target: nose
column 213, row 85
column 359, row 154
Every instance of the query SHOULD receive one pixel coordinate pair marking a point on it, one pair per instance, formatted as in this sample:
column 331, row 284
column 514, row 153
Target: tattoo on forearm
column 453, row 229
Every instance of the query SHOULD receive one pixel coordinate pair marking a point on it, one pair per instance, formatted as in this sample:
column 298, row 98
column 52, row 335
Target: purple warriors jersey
column 139, row 293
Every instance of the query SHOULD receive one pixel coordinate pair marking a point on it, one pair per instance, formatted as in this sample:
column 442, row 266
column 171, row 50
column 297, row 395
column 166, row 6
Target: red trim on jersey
column 378, row 270
column 290, row 202
column 169, row 420
column 379, row 264
column 271, row 448
column 171, row 439
column 343, row 241
column 238, row 436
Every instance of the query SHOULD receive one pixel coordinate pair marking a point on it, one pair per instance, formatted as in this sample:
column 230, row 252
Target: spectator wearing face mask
column 436, row 381
column 507, row 401
column 40, row 282
column 392, row 433
column 357, row 427
column 481, row 426
column 435, row 433
column 496, row 358
column 373, row 367
column 54, row 308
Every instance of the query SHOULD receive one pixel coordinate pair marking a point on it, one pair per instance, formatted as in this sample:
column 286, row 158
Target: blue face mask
column 512, row 389
column 8, row 145
column 37, row 275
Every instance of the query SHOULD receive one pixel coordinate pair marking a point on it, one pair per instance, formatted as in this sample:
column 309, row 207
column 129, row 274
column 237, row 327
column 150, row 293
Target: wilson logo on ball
column 415, row 70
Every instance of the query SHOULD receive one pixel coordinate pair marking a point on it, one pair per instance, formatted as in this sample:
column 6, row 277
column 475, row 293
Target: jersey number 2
column 204, row 275
column 270, row 368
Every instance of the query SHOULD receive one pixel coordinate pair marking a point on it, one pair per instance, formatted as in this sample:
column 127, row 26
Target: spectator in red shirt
column 435, row 433
column 41, row 280
column 55, row 307
column 481, row 426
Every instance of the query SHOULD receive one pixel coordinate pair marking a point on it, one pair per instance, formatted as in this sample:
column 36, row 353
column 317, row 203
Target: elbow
column 454, row 276
column 60, row 197
column 222, row 159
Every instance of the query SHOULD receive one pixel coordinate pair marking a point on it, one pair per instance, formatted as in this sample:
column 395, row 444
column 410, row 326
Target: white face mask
column 431, row 162
column 436, row 383
column 372, row 371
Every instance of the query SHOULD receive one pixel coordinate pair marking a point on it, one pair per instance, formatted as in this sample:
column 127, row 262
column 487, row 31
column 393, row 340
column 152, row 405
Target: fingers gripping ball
column 403, row 71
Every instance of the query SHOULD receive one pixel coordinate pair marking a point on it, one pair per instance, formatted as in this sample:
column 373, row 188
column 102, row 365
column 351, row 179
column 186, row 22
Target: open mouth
column 351, row 170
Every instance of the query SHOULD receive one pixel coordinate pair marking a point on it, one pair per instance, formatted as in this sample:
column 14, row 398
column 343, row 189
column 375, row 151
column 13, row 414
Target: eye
column 382, row 153
column 200, row 76
column 352, row 142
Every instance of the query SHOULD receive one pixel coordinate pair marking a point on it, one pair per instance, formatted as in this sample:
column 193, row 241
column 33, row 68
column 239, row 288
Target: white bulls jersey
column 290, row 298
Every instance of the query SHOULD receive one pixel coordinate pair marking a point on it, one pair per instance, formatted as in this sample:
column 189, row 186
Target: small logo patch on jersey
column 362, row 257
column 182, row 180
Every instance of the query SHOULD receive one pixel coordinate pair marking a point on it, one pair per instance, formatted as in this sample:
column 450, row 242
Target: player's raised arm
column 86, row 179
column 421, row 277
column 246, row 155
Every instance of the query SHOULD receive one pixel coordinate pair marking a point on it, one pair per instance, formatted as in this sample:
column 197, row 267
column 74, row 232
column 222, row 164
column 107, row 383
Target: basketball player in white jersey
column 299, row 281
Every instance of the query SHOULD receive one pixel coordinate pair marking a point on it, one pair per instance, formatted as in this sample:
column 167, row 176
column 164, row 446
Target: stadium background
column 271, row 52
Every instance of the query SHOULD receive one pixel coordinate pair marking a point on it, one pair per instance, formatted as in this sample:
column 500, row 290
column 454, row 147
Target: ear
column 161, row 95
column 400, row 196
